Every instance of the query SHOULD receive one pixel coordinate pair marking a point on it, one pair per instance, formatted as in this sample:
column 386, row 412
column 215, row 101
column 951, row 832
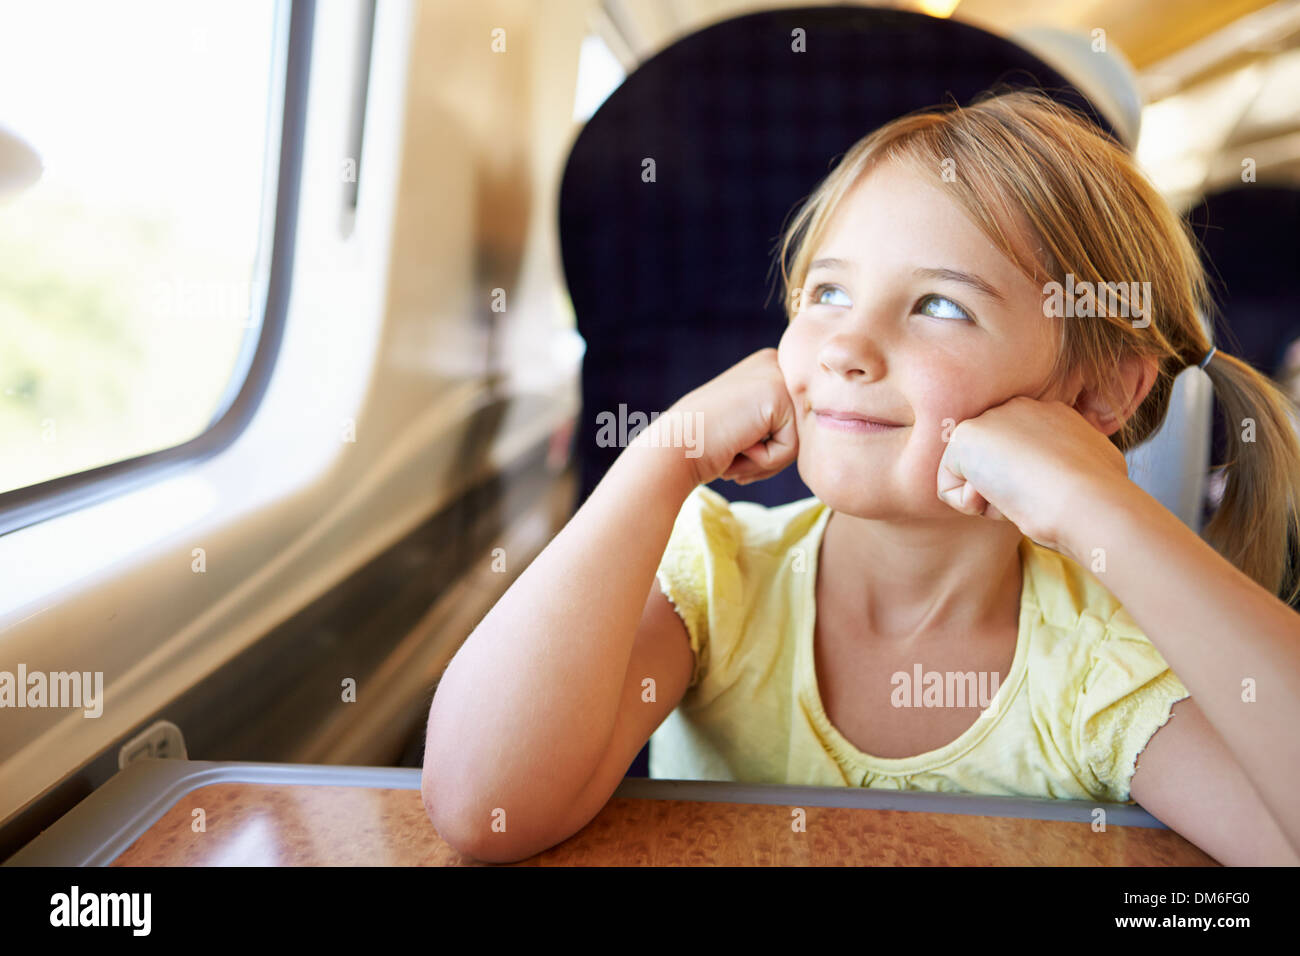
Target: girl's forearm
column 526, row 708
column 1217, row 629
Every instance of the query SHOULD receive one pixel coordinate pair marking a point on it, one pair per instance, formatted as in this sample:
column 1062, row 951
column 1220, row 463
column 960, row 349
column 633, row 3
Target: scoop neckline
column 810, row 692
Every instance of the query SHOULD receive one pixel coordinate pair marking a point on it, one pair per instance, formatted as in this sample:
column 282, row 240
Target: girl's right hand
column 744, row 422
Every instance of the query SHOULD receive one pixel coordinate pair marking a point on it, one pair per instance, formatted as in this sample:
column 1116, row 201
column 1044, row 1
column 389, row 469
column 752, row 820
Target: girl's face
column 908, row 315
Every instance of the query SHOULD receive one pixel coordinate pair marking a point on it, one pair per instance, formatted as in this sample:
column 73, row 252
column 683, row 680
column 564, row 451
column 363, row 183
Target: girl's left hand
column 1030, row 462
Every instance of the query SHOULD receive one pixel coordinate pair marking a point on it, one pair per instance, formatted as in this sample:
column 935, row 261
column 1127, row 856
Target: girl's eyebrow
column 966, row 278
column 952, row 275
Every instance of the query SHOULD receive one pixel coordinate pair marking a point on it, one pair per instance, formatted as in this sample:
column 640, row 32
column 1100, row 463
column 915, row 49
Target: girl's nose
column 850, row 357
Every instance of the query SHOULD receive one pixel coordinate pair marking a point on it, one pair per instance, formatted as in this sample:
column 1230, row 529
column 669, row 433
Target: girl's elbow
column 448, row 821
column 469, row 829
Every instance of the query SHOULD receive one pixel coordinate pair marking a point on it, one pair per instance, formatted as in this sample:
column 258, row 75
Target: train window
column 133, row 269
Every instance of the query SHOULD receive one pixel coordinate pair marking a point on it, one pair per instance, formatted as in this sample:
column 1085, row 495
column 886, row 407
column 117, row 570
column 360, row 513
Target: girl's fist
column 744, row 422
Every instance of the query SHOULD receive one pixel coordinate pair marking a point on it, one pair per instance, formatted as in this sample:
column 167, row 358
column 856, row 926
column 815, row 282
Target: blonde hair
column 1022, row 159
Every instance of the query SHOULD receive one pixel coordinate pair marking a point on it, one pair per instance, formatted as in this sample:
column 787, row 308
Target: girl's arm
column 1189, row 780
column 1218, row 630
column 525, row 710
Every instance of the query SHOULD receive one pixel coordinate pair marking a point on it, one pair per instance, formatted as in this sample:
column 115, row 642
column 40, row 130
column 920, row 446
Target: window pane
column 130, row 272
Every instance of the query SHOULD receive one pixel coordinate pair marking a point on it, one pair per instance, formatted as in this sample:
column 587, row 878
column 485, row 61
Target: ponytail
column 1256, row 526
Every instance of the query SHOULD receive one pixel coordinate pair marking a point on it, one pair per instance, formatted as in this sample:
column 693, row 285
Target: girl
column 973, row 529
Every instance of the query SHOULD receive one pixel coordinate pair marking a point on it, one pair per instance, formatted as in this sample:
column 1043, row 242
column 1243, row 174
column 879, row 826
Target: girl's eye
column 942, row 308
column 817, row 294
column 936, row 306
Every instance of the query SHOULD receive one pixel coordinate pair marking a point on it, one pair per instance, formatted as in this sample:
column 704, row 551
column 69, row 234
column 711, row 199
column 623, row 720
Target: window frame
column 22, row 507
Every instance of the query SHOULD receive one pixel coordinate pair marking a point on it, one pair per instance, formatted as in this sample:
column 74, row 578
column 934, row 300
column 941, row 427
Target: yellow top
column 1086, row 691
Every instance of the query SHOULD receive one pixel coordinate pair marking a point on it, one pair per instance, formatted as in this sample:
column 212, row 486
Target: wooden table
column 301, row 815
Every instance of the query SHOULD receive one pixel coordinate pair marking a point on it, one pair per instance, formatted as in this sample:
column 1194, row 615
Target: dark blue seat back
column 672, row 281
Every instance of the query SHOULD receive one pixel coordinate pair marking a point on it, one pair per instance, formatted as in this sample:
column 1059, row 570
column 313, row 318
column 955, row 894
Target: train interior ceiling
column 334, row 469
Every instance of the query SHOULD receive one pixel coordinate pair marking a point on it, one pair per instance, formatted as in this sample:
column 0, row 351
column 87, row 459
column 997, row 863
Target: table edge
column 114, row 816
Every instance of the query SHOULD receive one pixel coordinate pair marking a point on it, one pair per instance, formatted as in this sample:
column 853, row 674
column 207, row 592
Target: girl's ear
column 1136, row 377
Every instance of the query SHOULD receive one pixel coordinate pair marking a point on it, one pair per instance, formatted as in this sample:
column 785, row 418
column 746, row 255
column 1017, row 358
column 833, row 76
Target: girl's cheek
column 783, row 354
column 790, row 358
column 948, row 395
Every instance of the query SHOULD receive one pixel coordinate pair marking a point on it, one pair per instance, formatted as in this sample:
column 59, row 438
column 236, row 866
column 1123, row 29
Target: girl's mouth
column 845, row 423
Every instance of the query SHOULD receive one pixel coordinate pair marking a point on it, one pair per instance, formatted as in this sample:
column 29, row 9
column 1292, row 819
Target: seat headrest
column 1097, row 68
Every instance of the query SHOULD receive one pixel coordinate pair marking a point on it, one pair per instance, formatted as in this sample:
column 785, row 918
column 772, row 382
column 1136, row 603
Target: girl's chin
column 845, row 480
column 877, row 508
column 870, row 496
column 855, row 501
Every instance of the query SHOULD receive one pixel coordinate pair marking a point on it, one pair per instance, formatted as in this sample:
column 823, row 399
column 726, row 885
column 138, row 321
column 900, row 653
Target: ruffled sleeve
column 699, row 573
column 1126, row 696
